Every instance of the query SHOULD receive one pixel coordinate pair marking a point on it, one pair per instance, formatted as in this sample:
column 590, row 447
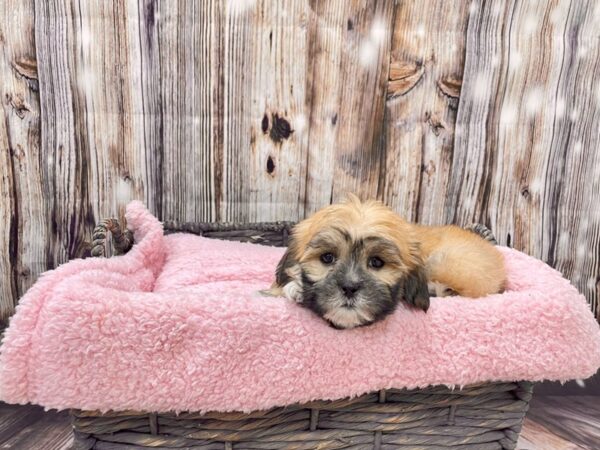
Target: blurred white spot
column 480, row 87
column 299, row 123
column 577, row 148
column 367, row 54
column 582, row 51
column 564, row 240
column 580, row 251
column 535, row 187
column 598, row 93
column 420, row 30
column 508, row 115
column 515, row 60
column 580, row 383
column 196, row 120
column 558, row 14
column 473, row 7
column 497, row 9
column 531, row 23
column 378, row 31
column 86, row 36
column 240, row 6
column 574, row 115
column 534, row 100
column 123, row 191
column 591, row 283
column 495, row 60
column 560, row 107
column 86, row 80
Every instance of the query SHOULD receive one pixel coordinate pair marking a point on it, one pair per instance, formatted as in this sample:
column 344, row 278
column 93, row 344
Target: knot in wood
column 280, row 128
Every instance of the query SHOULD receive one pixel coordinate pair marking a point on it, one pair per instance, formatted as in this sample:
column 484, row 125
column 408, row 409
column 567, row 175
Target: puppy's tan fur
column 455, row 260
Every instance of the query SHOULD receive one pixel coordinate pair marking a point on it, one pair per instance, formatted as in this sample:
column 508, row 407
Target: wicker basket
column 478, row 417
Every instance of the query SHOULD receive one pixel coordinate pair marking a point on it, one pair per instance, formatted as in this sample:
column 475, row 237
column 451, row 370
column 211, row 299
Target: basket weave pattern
column 478, row 417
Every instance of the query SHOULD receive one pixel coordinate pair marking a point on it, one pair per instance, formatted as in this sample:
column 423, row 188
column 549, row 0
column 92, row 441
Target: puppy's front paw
column 293, row 291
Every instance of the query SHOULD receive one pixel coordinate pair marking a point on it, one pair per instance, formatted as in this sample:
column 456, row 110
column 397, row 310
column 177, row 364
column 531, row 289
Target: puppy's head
column 355, row 261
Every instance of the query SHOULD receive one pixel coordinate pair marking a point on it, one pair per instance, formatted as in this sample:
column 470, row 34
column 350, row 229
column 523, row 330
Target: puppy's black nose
column 349, row 288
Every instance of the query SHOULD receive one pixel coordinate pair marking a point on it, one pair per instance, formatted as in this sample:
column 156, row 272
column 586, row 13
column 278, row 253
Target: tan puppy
column 351, row 263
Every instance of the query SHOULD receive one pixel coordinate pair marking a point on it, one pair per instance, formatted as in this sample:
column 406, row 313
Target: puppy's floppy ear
column 416, row 292
column 285, row 268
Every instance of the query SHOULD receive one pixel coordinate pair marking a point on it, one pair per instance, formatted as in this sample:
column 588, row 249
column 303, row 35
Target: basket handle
column 122, row 241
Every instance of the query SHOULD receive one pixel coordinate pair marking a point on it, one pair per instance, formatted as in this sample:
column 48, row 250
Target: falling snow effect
column 508, row 115
column 560, row 108
column 574, row 115
column 534, row 100
column 299, row 123
column 123, row 191
column 240, row 6
column 368, row 52
column 531, row 24
column 480, row 87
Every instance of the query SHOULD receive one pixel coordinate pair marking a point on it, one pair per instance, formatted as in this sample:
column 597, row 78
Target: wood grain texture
column 350, row 44
column 527, row 123
column 23, row 219
column 427, row 59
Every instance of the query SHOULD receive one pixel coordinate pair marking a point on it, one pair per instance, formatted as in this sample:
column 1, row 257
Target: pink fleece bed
column 176, row 325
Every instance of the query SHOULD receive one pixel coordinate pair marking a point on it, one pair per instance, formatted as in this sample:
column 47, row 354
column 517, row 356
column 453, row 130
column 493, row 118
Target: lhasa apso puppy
column 353, row 262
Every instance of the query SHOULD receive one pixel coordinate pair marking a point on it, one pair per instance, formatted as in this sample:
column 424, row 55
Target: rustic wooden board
column 535, row 436
column 427, row 59
column 527, row 122
column 347, row 77
column 24, row 225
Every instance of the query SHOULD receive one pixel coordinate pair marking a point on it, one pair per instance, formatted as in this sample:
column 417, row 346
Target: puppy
column 352, row 263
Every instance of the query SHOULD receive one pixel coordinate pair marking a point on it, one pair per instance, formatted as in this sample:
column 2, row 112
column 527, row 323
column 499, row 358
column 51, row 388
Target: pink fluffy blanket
column 176, row 324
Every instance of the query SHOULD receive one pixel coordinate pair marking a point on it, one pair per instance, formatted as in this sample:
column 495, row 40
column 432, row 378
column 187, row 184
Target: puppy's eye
column 449, row 292
column 376, row 262
column 327, row 258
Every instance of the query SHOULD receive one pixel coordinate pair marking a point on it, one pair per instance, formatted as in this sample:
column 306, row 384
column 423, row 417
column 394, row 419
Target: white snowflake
column 582, row 51
column 559, row 13
column 560, row 107
column 480, row 87
column 534, row 100
column 299, row 123
column 536, row 185
column 367, row 54
column 123, row 191
column 577, row 148
column 378, row 31
column 531, row 24
column 473, row 7
column 574, row 115
column 86, row 80
column 564, row 240
column 495, row 60
column 515, row 61
column 240, row 6
column 508, row 115
column 86, row 36
column 420, row 31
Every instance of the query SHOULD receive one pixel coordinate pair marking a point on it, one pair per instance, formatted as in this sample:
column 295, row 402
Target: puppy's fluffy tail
column 483, row 231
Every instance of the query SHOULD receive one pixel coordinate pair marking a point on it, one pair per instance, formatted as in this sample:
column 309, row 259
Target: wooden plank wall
column 258, row 110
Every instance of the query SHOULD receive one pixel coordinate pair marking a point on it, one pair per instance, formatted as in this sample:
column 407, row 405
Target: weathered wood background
column 449, row 111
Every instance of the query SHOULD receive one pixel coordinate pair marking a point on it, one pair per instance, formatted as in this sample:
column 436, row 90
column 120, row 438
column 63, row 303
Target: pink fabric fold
column 176, row 324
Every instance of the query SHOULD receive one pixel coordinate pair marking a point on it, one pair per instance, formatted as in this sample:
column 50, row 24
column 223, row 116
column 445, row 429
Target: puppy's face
column 355, row 261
